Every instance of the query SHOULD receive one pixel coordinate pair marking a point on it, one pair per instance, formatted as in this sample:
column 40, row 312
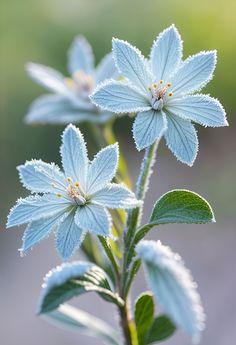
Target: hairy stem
column 142, row 184
column 109, row 254
column 133, row 222
column 125, row 324
column 135, row 215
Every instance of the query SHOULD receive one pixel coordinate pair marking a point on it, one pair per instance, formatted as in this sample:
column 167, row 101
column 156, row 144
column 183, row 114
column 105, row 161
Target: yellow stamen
column 161, row 81
column 59, row 195
column 155, row 85
column 170, row 94
column 149, row 88
column 69, row 82
column 77, row 184
column 169, row 84
column 69, row 179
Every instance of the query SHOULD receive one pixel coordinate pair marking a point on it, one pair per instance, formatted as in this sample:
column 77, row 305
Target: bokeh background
column 41, row 31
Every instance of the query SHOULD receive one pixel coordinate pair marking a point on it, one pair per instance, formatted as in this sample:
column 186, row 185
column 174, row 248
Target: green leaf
column 73, row 279
column 161, row 329
column 181, row 206
column 144, row 314
column 69, row 317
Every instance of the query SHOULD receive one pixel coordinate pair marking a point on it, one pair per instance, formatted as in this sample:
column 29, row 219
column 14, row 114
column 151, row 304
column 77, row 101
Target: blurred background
column 41, row 31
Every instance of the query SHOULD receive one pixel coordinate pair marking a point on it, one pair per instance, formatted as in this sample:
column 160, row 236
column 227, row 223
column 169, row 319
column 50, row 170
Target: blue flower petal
column 119, row 97
column 131, row 64
column 194, row 73
column 41, row 177
column 36, row 207
column 166, row 53
column 80, row 56
column 55, row 109
column 69, row 237
column 40, row 230
column 94, row 218
column 116, row 196
column 102, row 169
column 106, row 69
column 181, row 139
column 47, row 77
column 201, row 109
column 173, row 287
column 74, row 155
column 148, row 127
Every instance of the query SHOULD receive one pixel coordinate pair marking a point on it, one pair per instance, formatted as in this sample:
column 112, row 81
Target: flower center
column 81, row 83
column 159, row 94
column 74, row 192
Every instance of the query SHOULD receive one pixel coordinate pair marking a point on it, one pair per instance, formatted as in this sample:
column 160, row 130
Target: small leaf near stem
column 76, row 278
column 181, row 206
column 161, row 329
column 176, row 206
column 144, row 315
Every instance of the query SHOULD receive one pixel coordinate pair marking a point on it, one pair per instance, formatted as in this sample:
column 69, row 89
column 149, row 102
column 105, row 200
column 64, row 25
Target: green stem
column 132, row 274
column 134, row 217
column 109, row 254
column 125, row 324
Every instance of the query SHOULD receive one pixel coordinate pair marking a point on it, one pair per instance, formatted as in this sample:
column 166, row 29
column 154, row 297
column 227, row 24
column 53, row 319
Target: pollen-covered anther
column 59, row 195
column 72, row 191
column 170, row 94
column 161, row 81
column 69, row 179
column 169, row 84
column 77, row 184
column 70, row 83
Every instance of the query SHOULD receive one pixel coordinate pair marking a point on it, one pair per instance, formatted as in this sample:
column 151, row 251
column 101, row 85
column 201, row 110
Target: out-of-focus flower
column 173, row 286
column 160, row 91
column 69, row 101
column 72, row 202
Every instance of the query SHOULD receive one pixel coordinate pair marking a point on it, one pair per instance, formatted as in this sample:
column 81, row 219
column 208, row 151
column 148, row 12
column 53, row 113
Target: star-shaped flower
column 72, row 202
column 69, row 101
column 160, row 92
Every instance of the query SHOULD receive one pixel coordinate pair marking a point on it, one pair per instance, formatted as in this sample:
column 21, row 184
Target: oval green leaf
column 181, row 206
column 73, row 279
column 161, row 329
column 144, row 314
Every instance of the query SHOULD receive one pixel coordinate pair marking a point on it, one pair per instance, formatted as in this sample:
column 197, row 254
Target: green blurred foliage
column 41, row 31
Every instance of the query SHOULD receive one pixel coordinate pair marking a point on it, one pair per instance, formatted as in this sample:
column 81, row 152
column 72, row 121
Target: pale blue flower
column 69, row 100
column 173, row 286
column 160, row 92
column 72, row 202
